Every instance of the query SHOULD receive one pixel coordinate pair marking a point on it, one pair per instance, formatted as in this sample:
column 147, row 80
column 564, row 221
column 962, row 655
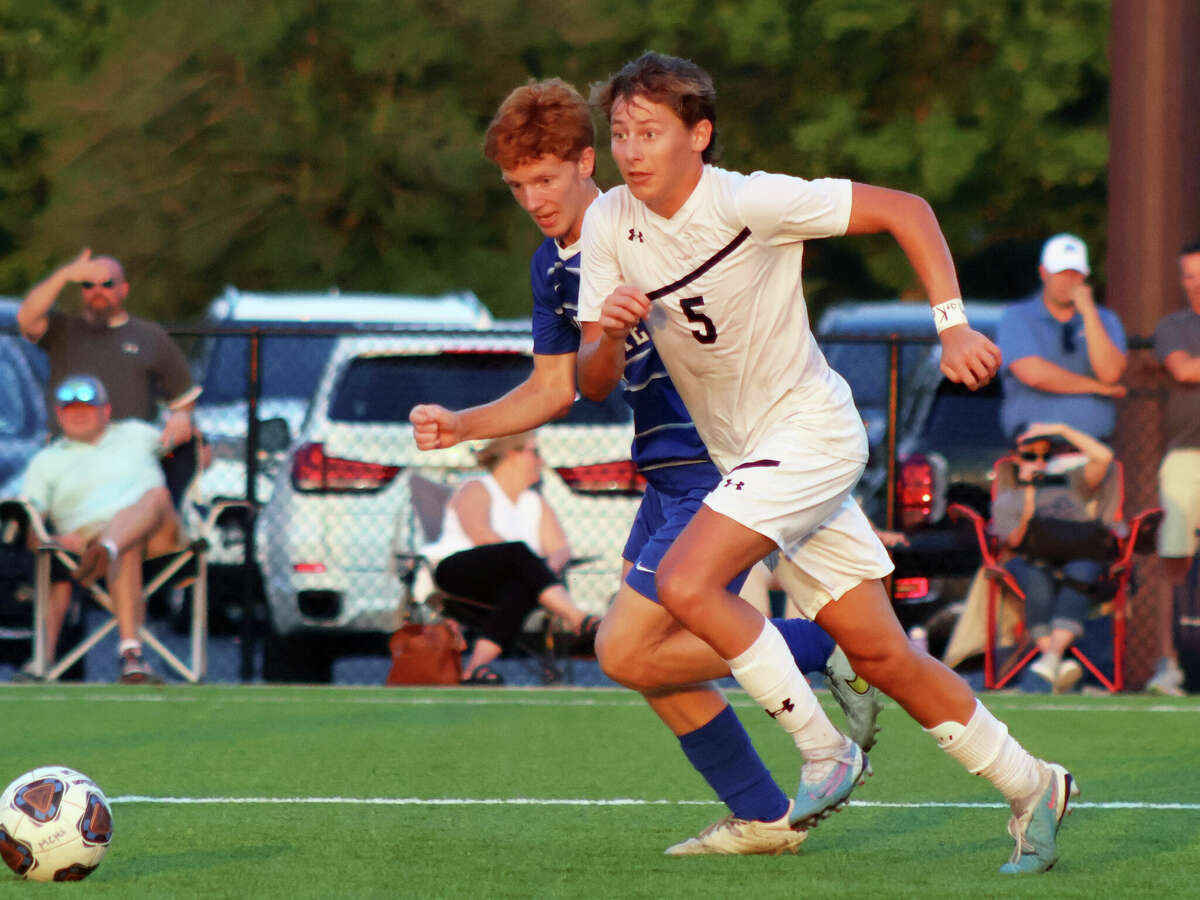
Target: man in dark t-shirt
column 138, row 361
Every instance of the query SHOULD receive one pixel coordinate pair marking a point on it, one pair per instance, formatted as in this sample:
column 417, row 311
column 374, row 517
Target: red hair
column 541, row 118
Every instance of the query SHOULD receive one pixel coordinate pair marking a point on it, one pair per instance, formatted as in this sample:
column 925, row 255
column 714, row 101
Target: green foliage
column 298, row 144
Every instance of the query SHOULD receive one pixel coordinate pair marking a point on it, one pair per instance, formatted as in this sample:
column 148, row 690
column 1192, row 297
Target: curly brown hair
column 541, row 118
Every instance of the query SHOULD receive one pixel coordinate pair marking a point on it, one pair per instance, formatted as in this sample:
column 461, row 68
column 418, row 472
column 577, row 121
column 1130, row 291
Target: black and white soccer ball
column 55, row 825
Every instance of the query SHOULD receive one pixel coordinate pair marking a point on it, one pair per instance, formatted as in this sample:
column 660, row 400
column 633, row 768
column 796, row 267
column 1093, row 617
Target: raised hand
column 435, row 427
column 84, row 268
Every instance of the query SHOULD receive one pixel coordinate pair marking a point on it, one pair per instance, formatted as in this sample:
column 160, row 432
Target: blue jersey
column 664, row 435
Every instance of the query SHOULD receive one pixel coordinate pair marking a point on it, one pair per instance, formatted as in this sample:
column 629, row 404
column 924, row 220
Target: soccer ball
column 55, row 825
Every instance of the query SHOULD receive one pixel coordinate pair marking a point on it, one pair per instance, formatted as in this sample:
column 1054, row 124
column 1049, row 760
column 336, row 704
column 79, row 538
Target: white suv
column 297, row 332
column 342, row 510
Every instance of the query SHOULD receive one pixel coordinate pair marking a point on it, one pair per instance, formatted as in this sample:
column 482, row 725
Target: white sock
column 768, row 673
column 129, row 644
column 984, row 747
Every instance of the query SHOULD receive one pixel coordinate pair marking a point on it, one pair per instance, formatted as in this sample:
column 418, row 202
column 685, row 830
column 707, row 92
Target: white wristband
column 948, row 314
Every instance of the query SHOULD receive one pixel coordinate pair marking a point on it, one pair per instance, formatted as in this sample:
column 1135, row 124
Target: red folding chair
column 1133, row 537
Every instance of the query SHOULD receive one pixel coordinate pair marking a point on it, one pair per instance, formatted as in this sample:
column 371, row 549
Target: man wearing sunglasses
column 136, row 358
column 101, row 485
column 1063, row 354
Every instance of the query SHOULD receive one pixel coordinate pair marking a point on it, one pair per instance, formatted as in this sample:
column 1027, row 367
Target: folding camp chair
column 545, row 644
column 182, row 567
column 1110, row 596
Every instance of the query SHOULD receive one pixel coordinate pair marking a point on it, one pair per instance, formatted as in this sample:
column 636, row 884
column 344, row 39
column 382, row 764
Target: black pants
column 507, row 578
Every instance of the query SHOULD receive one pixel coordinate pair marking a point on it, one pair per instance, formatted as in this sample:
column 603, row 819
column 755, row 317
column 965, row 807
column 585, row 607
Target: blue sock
column 721, row 751
column 809, row 643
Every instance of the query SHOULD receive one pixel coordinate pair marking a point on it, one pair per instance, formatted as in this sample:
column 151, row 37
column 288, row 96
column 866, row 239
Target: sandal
column 484, row 674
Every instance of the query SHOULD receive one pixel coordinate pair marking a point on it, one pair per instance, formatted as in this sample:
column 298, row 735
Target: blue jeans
column 1050, row 603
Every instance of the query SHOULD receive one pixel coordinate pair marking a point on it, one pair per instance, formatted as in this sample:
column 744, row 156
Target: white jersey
column 729, row 317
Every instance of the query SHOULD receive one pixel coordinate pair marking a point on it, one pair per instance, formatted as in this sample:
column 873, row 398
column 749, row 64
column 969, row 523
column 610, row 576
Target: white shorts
column 1179, row 494
column 801, row 499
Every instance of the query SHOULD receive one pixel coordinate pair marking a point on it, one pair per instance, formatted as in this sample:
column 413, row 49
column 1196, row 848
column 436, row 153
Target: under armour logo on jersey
column 736, row 487
column 788, row 706
column 634, row 233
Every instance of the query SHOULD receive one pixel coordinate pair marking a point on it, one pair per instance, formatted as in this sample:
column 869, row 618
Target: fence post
column 893, row 404
column 249, row 582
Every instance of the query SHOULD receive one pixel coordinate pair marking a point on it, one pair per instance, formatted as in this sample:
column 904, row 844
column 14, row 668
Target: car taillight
column 910, row 588
column 313, row 471
column 620, row 478
column 915, row 491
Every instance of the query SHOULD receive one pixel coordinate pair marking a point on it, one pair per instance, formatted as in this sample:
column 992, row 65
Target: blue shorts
column 668, row 505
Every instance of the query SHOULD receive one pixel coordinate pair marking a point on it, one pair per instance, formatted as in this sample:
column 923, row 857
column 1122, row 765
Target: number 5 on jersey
column 707, row 332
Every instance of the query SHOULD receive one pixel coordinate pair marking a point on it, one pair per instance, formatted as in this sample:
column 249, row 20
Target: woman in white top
column 502, row 545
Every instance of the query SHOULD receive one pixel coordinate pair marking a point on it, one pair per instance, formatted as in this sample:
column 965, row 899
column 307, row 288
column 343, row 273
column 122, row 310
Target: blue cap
column 81, row 389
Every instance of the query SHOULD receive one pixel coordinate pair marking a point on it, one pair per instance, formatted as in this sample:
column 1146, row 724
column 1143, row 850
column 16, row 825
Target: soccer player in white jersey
column 709, row 260
column 541, row 138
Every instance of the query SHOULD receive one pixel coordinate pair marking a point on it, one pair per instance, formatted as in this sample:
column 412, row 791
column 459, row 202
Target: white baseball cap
column 1065, row 251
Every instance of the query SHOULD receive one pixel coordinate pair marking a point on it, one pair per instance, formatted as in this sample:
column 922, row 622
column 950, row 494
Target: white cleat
column 743, row 837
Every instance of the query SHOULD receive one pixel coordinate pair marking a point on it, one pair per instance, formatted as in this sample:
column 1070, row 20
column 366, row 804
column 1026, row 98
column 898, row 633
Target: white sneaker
column 1046, row 668
column 1069, row 673
column 1167, row 680
column 859, row 701
column 742, row 837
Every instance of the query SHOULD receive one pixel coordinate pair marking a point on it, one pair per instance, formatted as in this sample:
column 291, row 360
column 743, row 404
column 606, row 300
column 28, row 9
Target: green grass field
column 362, row 792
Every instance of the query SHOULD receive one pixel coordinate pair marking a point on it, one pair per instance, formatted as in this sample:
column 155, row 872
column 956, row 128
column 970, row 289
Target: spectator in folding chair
column 502, row 552
column 1055, row 523
column 101, row 483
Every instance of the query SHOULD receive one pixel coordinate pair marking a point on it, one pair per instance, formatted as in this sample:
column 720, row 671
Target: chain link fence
column 308, row 433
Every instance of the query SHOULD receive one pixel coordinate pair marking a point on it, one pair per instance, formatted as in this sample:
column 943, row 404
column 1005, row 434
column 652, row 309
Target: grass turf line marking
column 615, row 801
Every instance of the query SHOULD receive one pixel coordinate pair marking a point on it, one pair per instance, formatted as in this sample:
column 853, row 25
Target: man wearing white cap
column 1063, row 354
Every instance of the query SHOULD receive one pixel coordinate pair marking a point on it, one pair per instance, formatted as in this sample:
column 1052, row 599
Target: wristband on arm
column 948, row 314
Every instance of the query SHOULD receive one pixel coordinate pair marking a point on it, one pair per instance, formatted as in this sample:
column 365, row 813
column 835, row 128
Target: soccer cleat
column 135, row 670
column 1035, row 828
column 859, row 701
column 825, row 786
column 742, row 837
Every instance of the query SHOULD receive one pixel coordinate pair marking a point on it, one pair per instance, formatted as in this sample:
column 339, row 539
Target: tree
column 300, row 144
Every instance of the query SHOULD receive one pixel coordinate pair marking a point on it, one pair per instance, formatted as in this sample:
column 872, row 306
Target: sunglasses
column 1068, row 338
column 1030, row 456
column 76, row 393
column 88, row 285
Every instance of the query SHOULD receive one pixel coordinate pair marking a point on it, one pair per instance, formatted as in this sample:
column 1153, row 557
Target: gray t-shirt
column 137, row 361
column 1180, row 331
column 1062, row 497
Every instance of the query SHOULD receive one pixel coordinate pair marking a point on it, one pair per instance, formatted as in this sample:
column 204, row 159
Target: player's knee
column 886, row 663
column 680, row 590
column 618, row 658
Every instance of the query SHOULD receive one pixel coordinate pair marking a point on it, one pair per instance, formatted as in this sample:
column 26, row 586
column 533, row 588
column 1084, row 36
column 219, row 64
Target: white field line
column 614, row 801
column 547, row 697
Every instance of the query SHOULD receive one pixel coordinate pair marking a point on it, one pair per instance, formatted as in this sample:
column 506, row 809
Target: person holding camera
column 1053, row 513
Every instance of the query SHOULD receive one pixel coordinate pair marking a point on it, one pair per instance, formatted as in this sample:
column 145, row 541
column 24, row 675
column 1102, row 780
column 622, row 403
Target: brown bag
column 427, row 654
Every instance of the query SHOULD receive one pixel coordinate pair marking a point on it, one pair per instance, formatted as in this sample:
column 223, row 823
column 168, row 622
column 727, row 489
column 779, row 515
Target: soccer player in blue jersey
column 542, row 140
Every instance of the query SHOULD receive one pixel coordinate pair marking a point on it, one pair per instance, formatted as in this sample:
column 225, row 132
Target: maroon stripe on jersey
column 712, row 261
column 757, row 464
